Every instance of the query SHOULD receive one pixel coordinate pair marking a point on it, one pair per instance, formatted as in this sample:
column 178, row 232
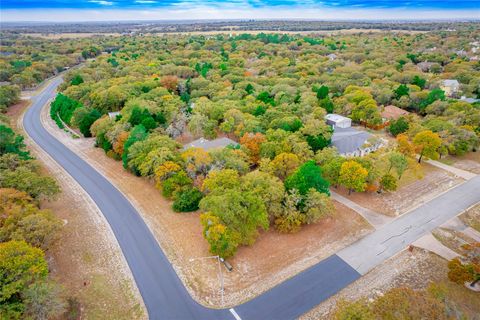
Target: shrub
column 187, row 200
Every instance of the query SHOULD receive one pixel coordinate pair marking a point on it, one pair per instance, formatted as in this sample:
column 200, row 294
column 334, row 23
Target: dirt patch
column 412, row 192
column 469, row 162
column 472, row 217
column 86, row 260
column 272, row 259
column 416, row 270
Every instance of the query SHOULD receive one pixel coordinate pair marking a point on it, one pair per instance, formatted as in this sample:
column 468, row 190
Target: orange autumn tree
column 405, row 146
column 170, row 83
column 467, row 267
column 120, row 142
column 252, row 142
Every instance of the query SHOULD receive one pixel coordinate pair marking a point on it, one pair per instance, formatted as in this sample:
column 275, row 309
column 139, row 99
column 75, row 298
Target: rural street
column 164, row 294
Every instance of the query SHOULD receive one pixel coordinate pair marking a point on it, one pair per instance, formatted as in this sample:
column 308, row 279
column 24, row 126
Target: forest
column 269, row 94
column 145, row 99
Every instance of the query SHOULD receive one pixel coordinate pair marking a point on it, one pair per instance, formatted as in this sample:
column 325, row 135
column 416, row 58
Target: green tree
column 20, row 266
column 399, row 162
column 419, row 82
column 86, row 120
column 138, row 133
column 223, row 241
column 25, row 179
column 317, row 206
column 291, row 219
column 269, row 188
column 220, row 180
column 242, row 212
column 12, row 143
column 187, row 200
column 398, row 126
column 402, row 90
column 307, row 176
column 9, row 95
column 388, row 182
column 175, row 183
column 322, row 92
column 76, row 80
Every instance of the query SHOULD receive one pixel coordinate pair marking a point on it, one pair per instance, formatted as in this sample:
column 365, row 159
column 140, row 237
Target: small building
column 469, row 100
column 332, row 56
column 113, row 115
column 338, row 121
column 451, row 87
column 393, row 113
column 210, row 144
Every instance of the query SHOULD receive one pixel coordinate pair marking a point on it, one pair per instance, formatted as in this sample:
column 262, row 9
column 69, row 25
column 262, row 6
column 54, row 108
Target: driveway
column 164, row 294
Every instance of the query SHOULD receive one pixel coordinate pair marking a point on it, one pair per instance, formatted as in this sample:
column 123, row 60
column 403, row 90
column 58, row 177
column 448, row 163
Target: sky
column 113, row 10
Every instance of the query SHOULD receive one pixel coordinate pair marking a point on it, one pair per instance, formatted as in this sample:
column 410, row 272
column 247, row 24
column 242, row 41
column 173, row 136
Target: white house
column 113, row 115
column 451, row 87
column 332, row 56
column 337, row 120
column 210, row 144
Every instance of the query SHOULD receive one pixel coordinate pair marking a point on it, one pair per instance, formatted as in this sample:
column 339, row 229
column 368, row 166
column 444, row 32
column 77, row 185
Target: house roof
column 210, row 144
column 336, row 117
column 114, row 114
column 392, row 112
column 348, row 140
column 469, row 100
column 450, row 82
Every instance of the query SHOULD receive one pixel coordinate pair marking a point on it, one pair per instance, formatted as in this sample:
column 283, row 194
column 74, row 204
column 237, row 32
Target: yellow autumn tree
column 353, row 176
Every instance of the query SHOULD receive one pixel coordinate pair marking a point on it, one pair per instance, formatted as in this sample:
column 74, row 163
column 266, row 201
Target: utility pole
column 220, row 273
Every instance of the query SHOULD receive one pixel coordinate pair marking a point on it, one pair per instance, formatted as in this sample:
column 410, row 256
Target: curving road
column 164, row 294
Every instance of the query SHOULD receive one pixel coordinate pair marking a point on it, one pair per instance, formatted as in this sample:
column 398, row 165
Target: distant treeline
column 250, row 25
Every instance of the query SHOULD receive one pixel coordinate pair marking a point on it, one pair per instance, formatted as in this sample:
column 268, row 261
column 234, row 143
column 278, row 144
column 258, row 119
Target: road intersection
column 163, row 292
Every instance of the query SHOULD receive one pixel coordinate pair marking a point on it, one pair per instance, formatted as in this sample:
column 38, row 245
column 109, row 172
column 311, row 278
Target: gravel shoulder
column 87, row 259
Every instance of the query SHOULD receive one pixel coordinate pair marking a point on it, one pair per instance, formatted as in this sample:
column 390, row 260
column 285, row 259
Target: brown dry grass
column 469, row 162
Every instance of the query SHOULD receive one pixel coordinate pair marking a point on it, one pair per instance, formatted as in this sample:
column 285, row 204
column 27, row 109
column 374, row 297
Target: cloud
column 145, row 1
column 227, row 12
column 102, row 2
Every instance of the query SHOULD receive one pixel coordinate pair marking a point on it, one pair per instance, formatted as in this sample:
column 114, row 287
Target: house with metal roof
column 451, row 87
column 351, row 142
column 338, row 121
column 210, row 144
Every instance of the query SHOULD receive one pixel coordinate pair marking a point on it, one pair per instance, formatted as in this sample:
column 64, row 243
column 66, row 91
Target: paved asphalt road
column 164, row 294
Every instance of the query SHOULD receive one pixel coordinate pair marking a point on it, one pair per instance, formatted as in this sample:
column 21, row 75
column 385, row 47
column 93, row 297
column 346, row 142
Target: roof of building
column 450, row 82
column 348, row 140
column 469, row 100
column 114, row 114
column 392, row 112
column 210, row 144
column 336, row 117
